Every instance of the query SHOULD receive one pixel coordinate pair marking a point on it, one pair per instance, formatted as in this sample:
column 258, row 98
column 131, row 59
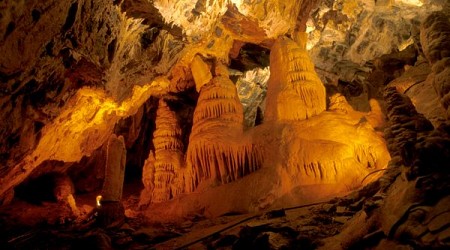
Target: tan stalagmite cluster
column 162, row 168
column 435, row 39
column 295, row 92
column 217, row 149
column 302, row 146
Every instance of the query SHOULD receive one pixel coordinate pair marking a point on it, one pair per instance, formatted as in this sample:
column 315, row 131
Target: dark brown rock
column 110, row 214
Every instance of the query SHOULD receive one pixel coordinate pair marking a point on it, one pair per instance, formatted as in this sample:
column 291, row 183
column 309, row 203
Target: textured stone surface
column 435, row 37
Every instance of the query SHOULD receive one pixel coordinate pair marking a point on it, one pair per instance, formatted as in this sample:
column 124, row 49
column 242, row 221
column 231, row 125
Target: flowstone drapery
column 217, row 149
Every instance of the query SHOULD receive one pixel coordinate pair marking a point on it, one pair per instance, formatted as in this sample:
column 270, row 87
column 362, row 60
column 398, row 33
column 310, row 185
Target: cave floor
column 48, row 226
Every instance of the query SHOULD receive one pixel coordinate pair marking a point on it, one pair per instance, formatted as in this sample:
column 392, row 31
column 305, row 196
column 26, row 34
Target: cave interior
column 225, row 124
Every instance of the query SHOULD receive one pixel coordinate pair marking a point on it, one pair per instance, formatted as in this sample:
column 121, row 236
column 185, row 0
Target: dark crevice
column 37, row 190
column 36, row 15
column 49, row 48
column 112, row 49
column 71, row 15
column 9, row 29
column 251, row 56
column 149, row 36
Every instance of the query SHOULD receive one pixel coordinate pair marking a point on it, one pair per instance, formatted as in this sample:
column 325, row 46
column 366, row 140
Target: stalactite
column 295, row 92
column 217, row 148
column 161, row 174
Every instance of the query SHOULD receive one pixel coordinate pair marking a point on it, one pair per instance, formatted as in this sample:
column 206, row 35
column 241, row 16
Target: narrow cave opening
column 37, row 190
column 137, row 131
column 250, row 56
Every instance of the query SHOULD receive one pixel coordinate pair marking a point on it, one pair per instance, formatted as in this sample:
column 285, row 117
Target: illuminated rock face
column 217, row 149
column 161, row 173
column 295, row 92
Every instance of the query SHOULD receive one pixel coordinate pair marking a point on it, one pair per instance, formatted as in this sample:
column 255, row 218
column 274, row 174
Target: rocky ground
column 289, row 228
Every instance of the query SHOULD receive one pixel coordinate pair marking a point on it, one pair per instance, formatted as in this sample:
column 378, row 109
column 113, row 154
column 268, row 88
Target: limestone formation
column 161, row 173
column 295, row 92
column 217, row 149
column 115, row 169
column 417, row 83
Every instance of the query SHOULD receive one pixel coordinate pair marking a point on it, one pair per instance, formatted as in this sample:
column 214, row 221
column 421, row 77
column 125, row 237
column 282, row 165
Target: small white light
column 98, row 199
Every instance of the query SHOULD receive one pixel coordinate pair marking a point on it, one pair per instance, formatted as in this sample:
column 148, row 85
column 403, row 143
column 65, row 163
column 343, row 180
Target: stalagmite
column 161, row 174
column 64, row 191
column 217, row 148
column 111, row 211
column 115, row 169
column 295, row 92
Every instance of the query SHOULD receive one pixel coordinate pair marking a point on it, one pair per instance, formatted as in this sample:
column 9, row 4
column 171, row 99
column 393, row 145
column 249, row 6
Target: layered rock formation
column 435, row 39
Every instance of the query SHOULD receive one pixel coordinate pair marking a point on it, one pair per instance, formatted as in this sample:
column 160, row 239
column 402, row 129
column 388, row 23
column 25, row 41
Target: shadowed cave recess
column 225, row 124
